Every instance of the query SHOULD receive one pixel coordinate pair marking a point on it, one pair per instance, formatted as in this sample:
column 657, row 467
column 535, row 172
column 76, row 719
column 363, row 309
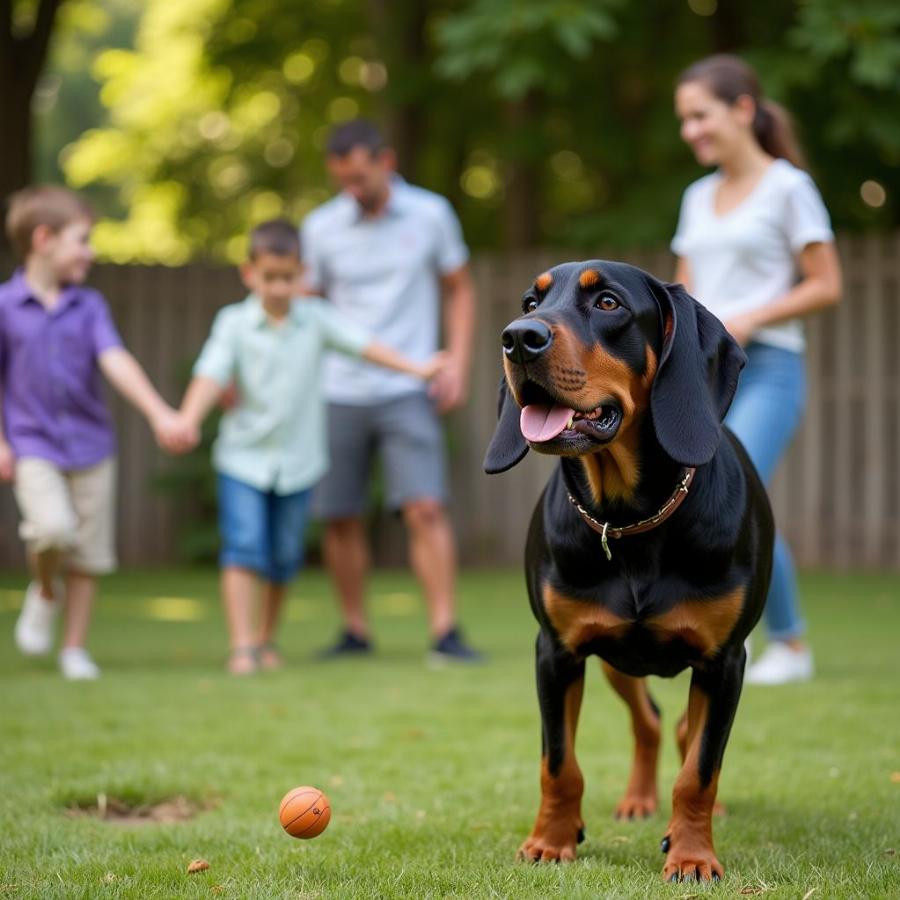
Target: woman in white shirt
column 754, row 245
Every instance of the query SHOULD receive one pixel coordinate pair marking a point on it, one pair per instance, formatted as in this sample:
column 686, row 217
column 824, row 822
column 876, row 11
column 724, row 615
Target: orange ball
column 304, row 812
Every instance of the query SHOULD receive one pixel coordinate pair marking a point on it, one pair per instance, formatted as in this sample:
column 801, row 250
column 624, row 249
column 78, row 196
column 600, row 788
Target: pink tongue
column 543, row 423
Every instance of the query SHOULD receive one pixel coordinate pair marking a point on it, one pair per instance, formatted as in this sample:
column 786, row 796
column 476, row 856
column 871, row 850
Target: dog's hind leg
column 711, row 707
column 558, row 827
column 640, row 798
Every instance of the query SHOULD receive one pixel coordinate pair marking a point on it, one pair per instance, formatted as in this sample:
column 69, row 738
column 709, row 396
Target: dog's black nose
column 525, row 340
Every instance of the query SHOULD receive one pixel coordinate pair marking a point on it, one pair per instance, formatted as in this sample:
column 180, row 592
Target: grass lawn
column 433, row 775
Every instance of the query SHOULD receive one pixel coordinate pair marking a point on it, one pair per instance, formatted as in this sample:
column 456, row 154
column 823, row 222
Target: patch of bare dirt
column 118, row 812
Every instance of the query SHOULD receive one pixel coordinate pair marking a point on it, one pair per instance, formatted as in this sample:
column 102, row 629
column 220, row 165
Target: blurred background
column 549, row 126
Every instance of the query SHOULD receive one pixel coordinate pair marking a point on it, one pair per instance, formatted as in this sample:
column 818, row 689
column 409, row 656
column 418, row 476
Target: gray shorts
column 406, row 432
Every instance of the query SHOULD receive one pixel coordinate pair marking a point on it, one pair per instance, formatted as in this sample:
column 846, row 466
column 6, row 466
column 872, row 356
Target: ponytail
column 774, row 131
column 729, row 77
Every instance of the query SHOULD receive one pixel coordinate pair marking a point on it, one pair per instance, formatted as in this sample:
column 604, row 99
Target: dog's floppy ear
column 508, row 445
column 696, row 377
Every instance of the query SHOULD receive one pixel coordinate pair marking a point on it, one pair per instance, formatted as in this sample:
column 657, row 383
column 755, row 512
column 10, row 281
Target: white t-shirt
column 747, row 257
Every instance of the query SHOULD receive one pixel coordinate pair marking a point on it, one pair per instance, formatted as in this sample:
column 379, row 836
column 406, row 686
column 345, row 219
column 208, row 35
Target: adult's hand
column 741, row 328
column 449, row 387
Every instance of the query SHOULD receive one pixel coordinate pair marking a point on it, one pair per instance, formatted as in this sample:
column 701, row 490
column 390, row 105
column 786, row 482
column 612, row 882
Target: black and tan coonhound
column 651, row 545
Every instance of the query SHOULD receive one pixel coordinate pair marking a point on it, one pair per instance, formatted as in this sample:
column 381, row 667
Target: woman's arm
column 682, row 273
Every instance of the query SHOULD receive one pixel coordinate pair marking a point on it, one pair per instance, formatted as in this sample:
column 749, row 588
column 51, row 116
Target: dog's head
column 599, row 345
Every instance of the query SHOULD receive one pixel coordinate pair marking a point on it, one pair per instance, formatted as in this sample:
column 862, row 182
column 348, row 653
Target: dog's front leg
column 559, row 826
column 711, row 707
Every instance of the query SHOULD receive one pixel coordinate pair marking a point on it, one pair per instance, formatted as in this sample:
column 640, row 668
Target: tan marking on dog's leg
column 690, row 846
column 559, row 826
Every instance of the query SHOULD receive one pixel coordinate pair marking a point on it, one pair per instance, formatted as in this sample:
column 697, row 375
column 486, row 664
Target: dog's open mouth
column 545, row 422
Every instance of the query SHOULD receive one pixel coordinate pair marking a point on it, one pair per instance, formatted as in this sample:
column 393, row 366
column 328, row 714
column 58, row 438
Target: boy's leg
column 288, row 519
column 93, row 493
column 273, row 596
column 239, row 591
column 48, row 527
column 80, row 592
column 46, row 567
column 243, row 526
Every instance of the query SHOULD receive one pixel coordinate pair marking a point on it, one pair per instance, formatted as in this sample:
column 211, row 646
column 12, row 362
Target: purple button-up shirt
column 53, row 404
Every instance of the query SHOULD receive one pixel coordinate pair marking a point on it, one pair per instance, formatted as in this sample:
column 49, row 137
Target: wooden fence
column 836, row 497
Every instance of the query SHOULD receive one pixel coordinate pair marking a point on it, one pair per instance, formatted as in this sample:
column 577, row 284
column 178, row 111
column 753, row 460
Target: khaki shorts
column 72, row 511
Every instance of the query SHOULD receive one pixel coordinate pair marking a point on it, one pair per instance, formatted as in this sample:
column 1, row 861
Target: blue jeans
column 262, row 531
column 767, row 409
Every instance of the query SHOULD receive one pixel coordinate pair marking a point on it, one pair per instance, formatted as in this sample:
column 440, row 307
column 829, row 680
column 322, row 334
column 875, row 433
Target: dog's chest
column 631, row 625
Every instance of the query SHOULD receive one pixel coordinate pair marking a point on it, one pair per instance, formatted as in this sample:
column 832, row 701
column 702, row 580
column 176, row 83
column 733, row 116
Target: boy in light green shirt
column 271, row 448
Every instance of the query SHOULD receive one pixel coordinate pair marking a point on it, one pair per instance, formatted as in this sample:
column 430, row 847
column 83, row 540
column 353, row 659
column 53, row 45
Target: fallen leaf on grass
column 109, row 877
column 751, row 889
column 890, row 851
column 197, row 865
column 895, row 777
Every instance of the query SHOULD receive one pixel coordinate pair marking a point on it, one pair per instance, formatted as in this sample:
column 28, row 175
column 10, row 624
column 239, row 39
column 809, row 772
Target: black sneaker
column 451, row 648
column 348, row 645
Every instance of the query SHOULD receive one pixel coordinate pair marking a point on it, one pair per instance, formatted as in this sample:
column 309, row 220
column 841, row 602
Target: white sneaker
column 76, row 664
column 34, row 628
column 781, row 664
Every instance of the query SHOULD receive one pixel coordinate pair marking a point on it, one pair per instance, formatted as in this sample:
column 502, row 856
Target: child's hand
column 175, row 433
column 7, row 462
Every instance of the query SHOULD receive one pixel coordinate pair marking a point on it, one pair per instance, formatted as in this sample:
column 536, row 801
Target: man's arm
column 125, row 374
column 451, row 384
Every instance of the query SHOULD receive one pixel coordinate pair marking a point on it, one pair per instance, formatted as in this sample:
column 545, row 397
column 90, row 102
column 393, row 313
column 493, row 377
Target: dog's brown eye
column 607, row 302
column 529, row 304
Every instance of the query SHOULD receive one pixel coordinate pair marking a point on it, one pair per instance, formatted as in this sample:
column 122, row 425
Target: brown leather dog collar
column 606, row 531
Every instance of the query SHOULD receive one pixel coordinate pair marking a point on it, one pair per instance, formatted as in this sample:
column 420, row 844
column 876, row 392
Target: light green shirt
column 275, row 437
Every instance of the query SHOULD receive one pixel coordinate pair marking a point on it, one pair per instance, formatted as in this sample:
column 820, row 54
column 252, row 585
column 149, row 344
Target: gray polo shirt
column 384, row 273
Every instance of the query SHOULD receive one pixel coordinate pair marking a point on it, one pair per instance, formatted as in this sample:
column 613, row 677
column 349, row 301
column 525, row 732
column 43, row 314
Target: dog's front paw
column 554, row 844
column 690, row 861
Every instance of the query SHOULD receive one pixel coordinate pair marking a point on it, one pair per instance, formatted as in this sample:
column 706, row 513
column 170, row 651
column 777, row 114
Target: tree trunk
column 22, row 59
column 521, row 228
column 399, row 30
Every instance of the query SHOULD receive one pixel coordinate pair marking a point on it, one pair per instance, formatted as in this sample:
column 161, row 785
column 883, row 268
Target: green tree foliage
column 544, row 122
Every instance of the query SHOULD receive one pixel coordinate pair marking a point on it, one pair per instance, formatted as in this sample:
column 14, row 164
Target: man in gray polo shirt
column 386, row 252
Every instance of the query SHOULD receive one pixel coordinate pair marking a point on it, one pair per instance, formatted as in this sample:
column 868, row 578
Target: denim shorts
column 260, row 530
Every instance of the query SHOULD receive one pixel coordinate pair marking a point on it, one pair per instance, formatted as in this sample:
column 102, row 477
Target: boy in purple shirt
column 57, row 443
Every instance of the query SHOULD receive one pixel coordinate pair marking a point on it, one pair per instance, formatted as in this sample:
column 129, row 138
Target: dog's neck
column 627, row 481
